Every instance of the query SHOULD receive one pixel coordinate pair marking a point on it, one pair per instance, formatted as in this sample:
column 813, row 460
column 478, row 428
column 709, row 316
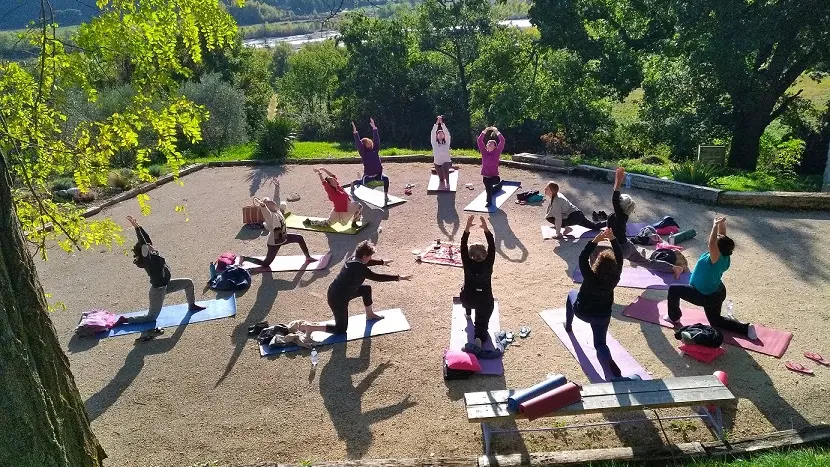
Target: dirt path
column 202, row 393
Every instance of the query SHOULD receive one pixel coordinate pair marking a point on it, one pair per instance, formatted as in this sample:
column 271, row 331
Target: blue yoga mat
column 177, row 315
column 533, row 391
column 393, row 321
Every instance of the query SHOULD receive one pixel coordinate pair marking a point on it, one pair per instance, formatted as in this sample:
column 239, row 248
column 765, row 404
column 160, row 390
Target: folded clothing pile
column 281, row 335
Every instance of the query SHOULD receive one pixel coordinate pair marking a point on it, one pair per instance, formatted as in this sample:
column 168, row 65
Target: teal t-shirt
column 706, row 277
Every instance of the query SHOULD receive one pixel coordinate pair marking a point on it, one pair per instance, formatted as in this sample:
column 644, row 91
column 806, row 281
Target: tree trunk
column 747, row 128
column 43, row 422
column 465, row 98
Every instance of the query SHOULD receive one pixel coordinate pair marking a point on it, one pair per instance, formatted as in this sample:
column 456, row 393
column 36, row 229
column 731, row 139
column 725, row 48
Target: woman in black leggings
column 277, row 235
column 477, row 292
column 348, row 285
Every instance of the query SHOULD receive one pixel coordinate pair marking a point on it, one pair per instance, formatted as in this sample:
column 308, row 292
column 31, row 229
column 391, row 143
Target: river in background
column 302, row 39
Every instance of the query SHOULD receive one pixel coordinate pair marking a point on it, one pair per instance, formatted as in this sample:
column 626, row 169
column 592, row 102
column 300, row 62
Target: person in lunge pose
column 562, row 213
column 623, row 207
column 477, row 292
column 277, row 233
column 490, row 155
column 593, row 302
column 348, row 285
column 345, row 208
column 369, row 150
column 440, row 139
column 706, row 288
column 148, row 258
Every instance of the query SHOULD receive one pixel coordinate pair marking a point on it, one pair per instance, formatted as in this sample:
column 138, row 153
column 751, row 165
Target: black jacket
column 478, row 274
column 153, row 263
column 618, row 219
column 345, row 285
column 595, row 295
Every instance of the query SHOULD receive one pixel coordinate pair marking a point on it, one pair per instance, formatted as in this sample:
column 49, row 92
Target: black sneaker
column 594, row 216
column 603, row 216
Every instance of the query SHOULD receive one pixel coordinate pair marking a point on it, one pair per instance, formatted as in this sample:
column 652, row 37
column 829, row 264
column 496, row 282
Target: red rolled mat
column 550, row 401
column 702, row 353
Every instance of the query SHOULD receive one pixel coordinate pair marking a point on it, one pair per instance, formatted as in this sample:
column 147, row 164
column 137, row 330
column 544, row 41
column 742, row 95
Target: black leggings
column 484, row 304
column 711, row 305
column 492, row 185
column 578, row 218
column 274, row 249
column 340, row 309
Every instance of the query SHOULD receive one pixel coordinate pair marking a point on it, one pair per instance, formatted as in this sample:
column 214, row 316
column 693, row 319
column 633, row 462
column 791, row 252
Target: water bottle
column 314, row 357
column 628, row 180
column 671, row 239
column 730, row 307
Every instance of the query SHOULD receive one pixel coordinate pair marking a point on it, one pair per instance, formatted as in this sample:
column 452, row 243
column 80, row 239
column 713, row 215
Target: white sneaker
column 751, row 334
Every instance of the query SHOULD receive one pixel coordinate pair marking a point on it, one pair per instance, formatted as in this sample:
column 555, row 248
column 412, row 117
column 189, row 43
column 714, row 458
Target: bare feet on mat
column 195, row 308
column 669, row 320
column 371, row 316
column 678, row 270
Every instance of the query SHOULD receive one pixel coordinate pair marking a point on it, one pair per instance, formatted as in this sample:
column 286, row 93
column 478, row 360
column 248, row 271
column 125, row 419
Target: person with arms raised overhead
column 477, row 292
column 369, row 150
column 490, row 157
column 277, row 233
column 440, row 139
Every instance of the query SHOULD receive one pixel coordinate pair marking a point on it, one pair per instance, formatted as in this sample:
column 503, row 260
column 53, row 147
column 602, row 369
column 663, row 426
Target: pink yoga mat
column 642, row 278
column 581, row 346
column 770, row 341
column 551, row 401
column 447, row 254
column 289, row 263
column 463, row 331
column 577, row 231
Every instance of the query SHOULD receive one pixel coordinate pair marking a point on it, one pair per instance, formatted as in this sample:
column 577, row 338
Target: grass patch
column 803, row 457
column 625, row 112
column 760, row 181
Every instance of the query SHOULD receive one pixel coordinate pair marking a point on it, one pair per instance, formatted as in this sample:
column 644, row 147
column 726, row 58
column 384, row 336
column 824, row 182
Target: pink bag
column 95, row 321
column 225, row 260
column 458, row 360
column 668, row 230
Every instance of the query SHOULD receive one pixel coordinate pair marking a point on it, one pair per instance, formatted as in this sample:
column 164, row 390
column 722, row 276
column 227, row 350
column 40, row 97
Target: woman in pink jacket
column 490, row 155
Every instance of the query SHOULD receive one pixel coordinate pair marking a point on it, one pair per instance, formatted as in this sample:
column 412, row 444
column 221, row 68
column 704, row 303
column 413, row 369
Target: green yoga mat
column 293, row 221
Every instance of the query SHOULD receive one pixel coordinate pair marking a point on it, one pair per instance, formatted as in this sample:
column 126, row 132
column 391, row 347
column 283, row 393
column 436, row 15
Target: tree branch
column 783, row 107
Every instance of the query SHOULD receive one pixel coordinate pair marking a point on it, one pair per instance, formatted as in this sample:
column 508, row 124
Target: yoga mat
column 641, row 278
column 507, row 190
column 577, row 231
column 770, row 341
column 294, row 221
column 289, row 263
column 176, row 315
column 393, row 321
column 514, row 401
column 551, row 401
column 433, row 182
column 701, row 353
column 581, row 346
column 463, row 331
column 375, row 197
column 442, row 256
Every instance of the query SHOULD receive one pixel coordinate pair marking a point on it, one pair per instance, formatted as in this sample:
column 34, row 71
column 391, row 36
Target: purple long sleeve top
column 371, row 159
column 490, row 159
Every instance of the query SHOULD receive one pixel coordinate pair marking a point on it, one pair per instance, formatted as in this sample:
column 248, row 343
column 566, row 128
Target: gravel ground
column 202, row 393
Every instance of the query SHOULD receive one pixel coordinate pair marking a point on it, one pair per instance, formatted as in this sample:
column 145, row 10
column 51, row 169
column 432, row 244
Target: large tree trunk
column 750, row 118
column 43, row 422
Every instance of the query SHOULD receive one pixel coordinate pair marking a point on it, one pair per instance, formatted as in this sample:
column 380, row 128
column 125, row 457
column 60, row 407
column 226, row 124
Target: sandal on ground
column 798, row 368
column 524, row 332
column 293, row 197
column 816, row 357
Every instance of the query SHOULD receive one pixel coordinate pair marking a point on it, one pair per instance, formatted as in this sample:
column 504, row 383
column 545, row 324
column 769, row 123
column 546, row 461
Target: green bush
column 695, row 173
column 63, row 183
column 157, row 170
column 121, row 179
column 277, row 139
column 780, row 158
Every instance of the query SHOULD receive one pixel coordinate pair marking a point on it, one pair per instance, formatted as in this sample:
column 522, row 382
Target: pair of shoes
column 602, row 215
column 150, row 335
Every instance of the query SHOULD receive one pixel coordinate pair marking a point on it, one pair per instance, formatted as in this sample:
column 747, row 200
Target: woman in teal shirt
column 706, row 288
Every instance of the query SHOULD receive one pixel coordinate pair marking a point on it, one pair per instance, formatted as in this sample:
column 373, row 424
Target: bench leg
column 485, row 433
column 714, row 418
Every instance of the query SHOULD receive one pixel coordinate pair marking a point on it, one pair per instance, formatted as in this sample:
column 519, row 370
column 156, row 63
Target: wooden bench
column 706, row 392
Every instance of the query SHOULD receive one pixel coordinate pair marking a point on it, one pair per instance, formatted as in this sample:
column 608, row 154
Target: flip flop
column 798, row 368
column 816, row 357
column 524, row 332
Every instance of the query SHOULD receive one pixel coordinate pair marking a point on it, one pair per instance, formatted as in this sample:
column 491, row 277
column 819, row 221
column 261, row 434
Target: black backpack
column 523, row 196
column 663, row 254
column 232, row 278
column 702, row 334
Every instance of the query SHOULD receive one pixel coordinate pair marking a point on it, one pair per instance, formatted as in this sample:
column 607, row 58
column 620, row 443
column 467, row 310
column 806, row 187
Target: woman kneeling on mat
column 593, row 302
column 345, row 208
column 623, row 207
column 277, row 234
column 349, row 285
column 562, row 213
column 369, row 150
column 477, row 292
column 706, row 287
column 148, row 258
column 490, row 156
column 440, row 138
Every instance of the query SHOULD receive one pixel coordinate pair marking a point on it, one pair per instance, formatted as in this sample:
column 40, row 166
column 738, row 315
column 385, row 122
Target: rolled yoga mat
column 551, row 401
column 684, row 235
column 514, row 401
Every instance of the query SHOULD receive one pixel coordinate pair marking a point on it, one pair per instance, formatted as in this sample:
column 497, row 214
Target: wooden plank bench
column 706, row 392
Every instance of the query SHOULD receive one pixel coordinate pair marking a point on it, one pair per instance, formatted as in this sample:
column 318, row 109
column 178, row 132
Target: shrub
column 780, row 158
column 63, row 183
column 157, row 170
column 121, row 179
column 556, row 143
column 695, row 173
column 276, row 139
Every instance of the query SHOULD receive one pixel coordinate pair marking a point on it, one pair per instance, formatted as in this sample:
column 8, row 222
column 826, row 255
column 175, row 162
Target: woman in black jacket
column 477, row 292
column 593, row 302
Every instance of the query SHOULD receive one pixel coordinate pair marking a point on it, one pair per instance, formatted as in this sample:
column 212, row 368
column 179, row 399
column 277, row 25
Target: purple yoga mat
column 581, row 346
column 642, row 278
column 577, row 231
column 463, row 331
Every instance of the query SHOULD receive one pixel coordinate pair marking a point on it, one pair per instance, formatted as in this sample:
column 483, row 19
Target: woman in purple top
column 490, row 154
column 369, row 153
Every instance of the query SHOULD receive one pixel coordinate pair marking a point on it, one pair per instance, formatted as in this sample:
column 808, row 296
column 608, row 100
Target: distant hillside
column 16, row 14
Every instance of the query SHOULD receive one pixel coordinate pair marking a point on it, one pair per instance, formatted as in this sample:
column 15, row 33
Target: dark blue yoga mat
column 177, row 315
column 393, row 321
column 533, row 391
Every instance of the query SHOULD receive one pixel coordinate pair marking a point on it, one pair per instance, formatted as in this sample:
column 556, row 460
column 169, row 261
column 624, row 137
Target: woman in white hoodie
column 440, row 138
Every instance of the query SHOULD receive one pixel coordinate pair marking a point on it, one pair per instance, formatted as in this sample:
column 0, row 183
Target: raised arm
column 615, row 245
column 375, row 262
column 619, row 176
column 500, row 146
column 376, row 139
column 377, row 277
column 585, row 256
column 319, row 173
column 480, row 141
column 714, row 252
column 465, row 237
column 433, row 138
column 491, row 242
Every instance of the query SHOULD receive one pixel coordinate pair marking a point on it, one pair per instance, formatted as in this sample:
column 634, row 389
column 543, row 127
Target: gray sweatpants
column 157, row 298
column 631, row 253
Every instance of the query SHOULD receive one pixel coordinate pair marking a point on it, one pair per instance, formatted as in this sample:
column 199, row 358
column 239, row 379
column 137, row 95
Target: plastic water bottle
column 628, row 180
column 730, row 307
column 671, row 239
column 314, row 357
